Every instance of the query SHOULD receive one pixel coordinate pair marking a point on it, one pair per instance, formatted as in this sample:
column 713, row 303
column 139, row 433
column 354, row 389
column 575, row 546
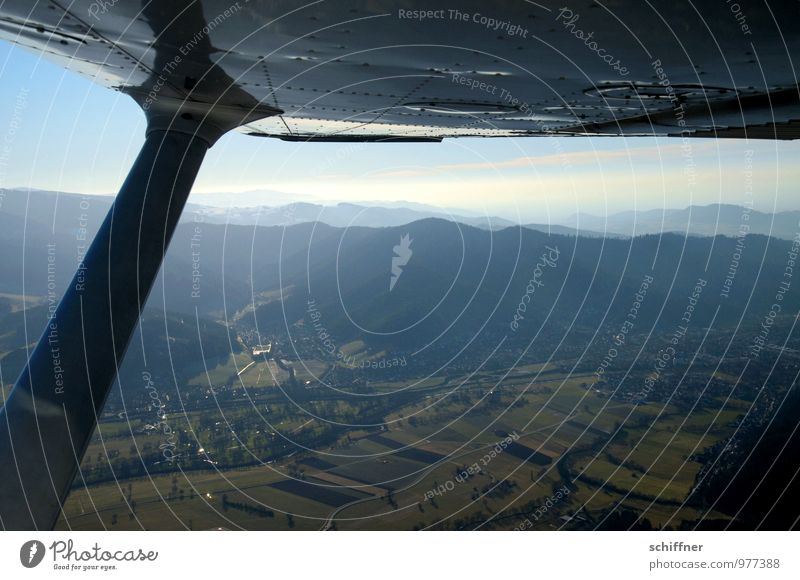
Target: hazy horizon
column 53, row 121
column 267, row 199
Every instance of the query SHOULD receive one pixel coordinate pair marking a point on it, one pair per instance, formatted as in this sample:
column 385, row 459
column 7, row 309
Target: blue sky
column 60, row 132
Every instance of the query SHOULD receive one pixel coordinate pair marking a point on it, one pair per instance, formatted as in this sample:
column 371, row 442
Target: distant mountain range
column 453, row 280
column 60, row 211
column 706, row 220
column 341, row 215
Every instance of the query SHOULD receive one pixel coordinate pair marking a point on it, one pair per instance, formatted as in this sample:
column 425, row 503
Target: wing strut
column 51, row 414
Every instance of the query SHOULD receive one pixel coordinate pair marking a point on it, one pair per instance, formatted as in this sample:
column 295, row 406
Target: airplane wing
column 373, row 70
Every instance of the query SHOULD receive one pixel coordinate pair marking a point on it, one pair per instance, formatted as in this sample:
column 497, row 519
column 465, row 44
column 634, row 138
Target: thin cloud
column 566, row 159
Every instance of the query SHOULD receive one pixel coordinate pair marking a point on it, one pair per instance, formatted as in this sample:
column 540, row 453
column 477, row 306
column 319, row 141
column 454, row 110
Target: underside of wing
column 358, row 70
